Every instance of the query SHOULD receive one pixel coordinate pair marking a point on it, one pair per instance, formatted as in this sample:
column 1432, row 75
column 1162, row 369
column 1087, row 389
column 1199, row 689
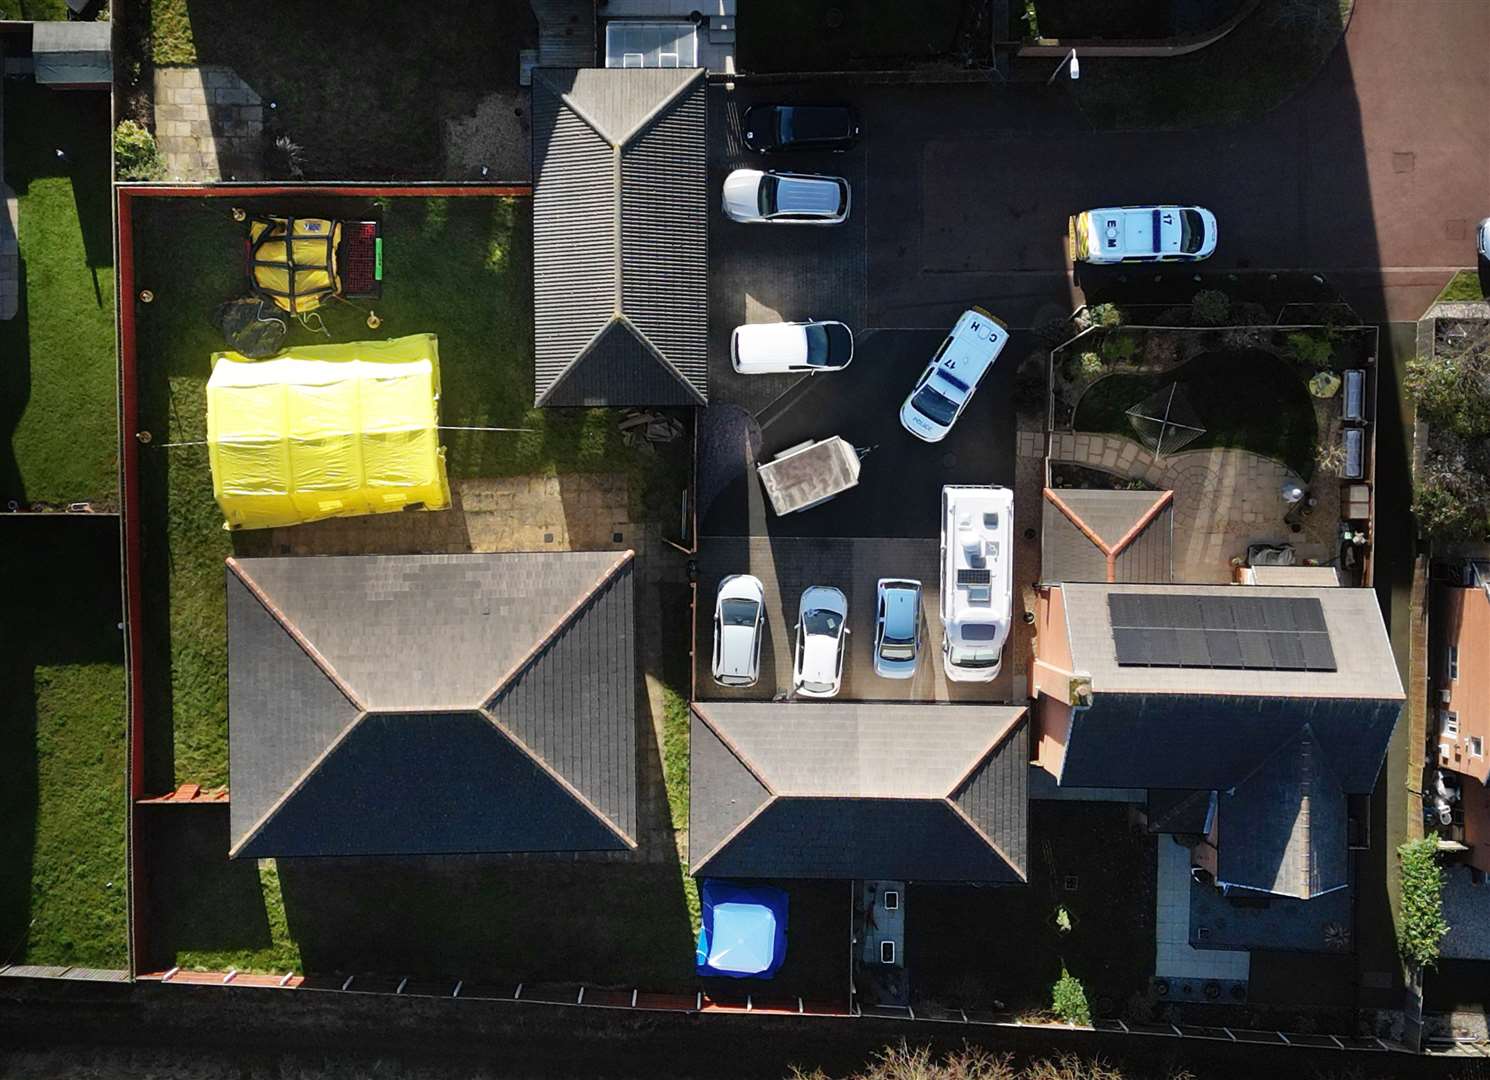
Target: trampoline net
column 1165, row 421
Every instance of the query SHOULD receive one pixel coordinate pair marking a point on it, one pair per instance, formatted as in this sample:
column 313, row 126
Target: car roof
column 901, row 609
column 807, row 195
column 976, row 340
column 1138, row 230
column 783, row 342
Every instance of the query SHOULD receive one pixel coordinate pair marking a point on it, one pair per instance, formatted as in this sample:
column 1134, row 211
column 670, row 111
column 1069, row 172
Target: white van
column 947, row 384
column 780, row 348
column 1142, row 234
column 977, row 580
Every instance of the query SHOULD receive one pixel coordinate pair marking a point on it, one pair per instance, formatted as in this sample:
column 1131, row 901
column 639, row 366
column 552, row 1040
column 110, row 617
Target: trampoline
column 744, row 930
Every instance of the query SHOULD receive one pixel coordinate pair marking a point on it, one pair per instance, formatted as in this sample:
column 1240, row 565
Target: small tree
column 135, row 154
column 1108, row 315
column 1452, row 392
column 1310, row 350
column 1068, row 999
column 1210, row 307
column 1422, row 926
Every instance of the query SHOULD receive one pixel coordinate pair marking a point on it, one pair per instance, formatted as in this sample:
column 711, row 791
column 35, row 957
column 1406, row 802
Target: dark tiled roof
column 1094, row 535
column 620, row 221
column 1173, row 810
column 1215, row 742
column 444, row 679
column 846, row 789
column 1283, row 829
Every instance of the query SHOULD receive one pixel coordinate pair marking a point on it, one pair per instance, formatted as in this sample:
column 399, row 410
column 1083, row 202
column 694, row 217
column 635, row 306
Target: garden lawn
column 34, row 10
column 349, row 88
column 1248, row 399
column 1268, row 57
column 62, row 738
column 1465, row 285
column 58, row 383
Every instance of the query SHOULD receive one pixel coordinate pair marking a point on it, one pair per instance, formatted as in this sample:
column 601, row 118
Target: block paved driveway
column 788, row 565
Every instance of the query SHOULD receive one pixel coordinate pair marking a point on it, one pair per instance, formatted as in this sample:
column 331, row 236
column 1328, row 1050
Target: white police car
column 947, row 385
column 1142, row 234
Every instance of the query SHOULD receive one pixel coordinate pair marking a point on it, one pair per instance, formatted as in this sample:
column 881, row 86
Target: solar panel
column 1255, row 633
column 974, row 577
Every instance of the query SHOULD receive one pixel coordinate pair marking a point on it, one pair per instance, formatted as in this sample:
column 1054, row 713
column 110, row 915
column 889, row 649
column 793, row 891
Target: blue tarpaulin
column 744, row 930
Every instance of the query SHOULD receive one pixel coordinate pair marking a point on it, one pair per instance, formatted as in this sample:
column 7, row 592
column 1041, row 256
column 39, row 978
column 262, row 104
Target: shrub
column 1452, row 392
column 1310, row 349
column 136, row 156
column 1068, row 999
column 1118, row 348
column 1108, row 315
column 1063, row 919
column 1422, row 926
column 1210, row 307
column 1031, row 18
column 287, row 159
column 1092, row 365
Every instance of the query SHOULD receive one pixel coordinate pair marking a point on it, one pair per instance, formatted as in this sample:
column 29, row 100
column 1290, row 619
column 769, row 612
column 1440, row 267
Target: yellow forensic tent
column 326, row 431
column 294, row 261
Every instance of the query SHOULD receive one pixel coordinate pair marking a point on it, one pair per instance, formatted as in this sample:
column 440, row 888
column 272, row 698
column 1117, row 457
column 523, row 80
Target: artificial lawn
column 349, row 88
column 58, row 386
column 1270, row 55
column 792, row 35
column 1249, row 399
column 62, row 894
column 457, row 267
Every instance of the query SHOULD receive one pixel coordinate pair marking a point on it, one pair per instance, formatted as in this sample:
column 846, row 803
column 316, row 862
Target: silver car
column 739, row 625
column 782, row 198
column 897, row 628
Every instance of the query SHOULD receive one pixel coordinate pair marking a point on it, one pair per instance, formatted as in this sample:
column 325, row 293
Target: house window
column 892, row 900
column 1453, row 662
column 1448, row 723
column 1476, row 746
column 887, row 952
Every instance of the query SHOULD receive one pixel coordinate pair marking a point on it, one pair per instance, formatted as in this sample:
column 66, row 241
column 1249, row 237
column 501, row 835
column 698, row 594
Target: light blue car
column 897, row 628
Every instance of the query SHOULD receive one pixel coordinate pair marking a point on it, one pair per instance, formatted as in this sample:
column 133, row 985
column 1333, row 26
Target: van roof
column 974, row 342
column 1137, row 230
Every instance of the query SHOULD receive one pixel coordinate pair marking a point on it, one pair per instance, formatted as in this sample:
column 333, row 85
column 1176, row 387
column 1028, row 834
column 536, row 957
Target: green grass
column 349, row 89
column 1271, row 55
column 675, row 773
column 1465, row 285
column 37, row 10
column 1248, row 399
column 62, row 894
column 790, row 35
column 460, row 268
column 57, row 378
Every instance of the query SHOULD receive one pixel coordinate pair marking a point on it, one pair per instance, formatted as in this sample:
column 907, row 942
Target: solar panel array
column 974, row 577
column 1263, row 633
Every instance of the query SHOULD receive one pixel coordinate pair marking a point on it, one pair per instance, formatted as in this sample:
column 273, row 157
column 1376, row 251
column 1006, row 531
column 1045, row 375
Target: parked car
column 947, row 384
column 772, row 348
column 1484, row 244
column 783, row 198
column 822, row 640
column 977, row 580
column 897, row 627
column 772, row 128
column 739, row 625
column 1142, row 234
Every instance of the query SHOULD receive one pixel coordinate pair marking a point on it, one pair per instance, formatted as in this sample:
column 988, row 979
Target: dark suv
column 771, row 129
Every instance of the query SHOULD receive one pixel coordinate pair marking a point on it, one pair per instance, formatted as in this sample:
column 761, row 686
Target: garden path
column 1224, row 499
column 209, row 124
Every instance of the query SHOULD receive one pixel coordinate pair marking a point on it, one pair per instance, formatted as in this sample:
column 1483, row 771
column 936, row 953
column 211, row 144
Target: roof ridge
column 734, row 834
column 617, row 143
column 993, row 844
column 1075, row 519
column 1144, row 520
column 558, row 777
column 999, row 738
column 657, row 110
column 295, row 635
column 559, row 625
column 729, row 744
column 300, row 782
column 646, row 342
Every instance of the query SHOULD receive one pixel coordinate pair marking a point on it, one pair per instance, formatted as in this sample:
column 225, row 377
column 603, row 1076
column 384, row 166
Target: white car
column 739, row 625
column 947, row 385
column 783, row 198
column 1484, row 240
column 822, row 640
column 1142, row 234
column 897, row 627
column 773, row 348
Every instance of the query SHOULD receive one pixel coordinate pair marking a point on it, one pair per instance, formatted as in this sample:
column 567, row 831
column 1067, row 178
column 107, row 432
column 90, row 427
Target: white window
column 1448, row 723
column 1476, row 746
column 1453, row 662
column 892, row 900
column 887, row 952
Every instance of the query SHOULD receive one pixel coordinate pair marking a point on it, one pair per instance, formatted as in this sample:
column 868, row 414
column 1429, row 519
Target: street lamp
column 1069, row 58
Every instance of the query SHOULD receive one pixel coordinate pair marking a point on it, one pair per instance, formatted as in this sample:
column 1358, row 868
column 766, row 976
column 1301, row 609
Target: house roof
column 1176, row 810
column 620, row 236
column 1283, row 829
column 1363, row 663
column 1092, row 535
column 428, row 704
column 73, row 53
column 858, row 790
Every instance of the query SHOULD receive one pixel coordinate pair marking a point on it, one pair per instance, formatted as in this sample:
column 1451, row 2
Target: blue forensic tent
column 744, row 930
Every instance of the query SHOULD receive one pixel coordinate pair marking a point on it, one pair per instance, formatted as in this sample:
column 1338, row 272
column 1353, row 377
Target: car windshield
column 784, row 128
column 973, row 658
column 821, row 621
column 766, row 196
column 976, row 654
column 819, row 351
column 740, row 612
column 934, row 406
column 898, row 648
column 1192, row 232
column 817, row 687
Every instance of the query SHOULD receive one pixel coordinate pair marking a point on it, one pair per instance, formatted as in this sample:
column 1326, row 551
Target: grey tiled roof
column 620, row 222
column 1175, row 810
column 1067, row 553
column 1283, row 829
column 849, row 789
column 393, row 694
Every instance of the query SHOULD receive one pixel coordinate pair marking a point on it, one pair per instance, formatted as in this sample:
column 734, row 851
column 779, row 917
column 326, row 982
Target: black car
column 773, row 128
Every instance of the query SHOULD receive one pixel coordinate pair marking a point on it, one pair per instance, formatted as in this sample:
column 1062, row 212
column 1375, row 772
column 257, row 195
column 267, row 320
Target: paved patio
column 209, row 124
column 1224, row 500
